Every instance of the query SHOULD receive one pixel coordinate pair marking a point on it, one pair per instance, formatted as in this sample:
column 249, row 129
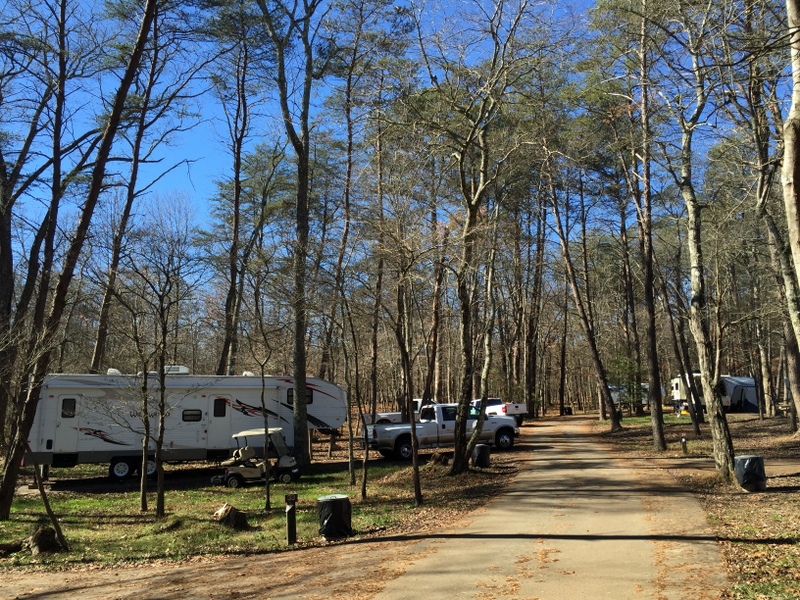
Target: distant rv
column 740, row 393
column 83, row 419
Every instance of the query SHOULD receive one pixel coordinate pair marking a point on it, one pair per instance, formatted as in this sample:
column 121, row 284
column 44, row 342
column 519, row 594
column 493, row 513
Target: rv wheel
column 235, row 481
column 120, row 469
column 151, row 467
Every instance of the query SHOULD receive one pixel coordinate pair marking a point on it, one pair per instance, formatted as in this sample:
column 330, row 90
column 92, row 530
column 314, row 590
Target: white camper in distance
column 84, row 419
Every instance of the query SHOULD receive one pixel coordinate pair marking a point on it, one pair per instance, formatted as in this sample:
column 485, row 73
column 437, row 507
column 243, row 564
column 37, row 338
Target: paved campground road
column 575, row 523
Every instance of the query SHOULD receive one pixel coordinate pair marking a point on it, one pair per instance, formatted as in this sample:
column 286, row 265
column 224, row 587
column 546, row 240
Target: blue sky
column 206, row 144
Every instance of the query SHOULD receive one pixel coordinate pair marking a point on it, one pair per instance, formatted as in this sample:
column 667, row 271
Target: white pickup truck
column 496, row 406
column 436, row 429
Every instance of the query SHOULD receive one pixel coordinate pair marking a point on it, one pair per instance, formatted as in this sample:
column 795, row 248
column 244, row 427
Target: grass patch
column 758, row 533
column 104, row 526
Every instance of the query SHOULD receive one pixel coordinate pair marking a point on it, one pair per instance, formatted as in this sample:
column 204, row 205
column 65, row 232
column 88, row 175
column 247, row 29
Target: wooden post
column 291, row 518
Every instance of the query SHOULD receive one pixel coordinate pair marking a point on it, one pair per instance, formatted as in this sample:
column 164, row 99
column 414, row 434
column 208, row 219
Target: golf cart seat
column 245, row 454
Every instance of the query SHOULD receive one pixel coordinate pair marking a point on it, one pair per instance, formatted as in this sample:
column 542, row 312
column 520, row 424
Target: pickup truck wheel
column 403, row 448
column 520, row 419
column 504, row 440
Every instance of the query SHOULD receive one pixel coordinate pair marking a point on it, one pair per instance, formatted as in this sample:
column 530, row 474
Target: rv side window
column 219, row 406
column 192, row 414
column 68, row 408
column 290, row 396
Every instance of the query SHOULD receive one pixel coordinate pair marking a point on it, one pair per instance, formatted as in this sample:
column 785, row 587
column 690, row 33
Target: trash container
column 334, row 516
column 567, row 411
column 750, row 473
column 480, row 456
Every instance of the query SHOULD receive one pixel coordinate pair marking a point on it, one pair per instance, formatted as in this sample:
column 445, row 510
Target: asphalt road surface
column 576, row 524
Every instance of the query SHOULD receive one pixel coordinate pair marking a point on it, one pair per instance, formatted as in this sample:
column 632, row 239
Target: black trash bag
column 334, row 516
column 750, row 473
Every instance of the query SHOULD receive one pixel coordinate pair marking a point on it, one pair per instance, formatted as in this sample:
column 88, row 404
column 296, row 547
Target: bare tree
column 472, row 96
column 296, row 34
column 690, row 36
column 36, row 361
column 159, row 103
column 162, row 269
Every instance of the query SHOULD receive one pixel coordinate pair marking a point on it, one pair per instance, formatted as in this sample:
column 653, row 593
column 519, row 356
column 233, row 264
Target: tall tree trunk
column 646, row 248
column 466, row 298
column 584, row 311
column 98, row 353
column 534, row 303
column 698, row 307
column 791, row 142
column 401, row 334
column 487, row 335
column 562, row 359
column 791, row 170
column 291, row 25
column 376, row 306
column 432, row 347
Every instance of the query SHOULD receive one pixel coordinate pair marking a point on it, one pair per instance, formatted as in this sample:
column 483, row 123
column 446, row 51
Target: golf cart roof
column 254, row 432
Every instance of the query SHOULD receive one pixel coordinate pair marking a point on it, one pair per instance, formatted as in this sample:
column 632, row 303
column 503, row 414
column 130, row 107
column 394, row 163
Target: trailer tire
column 403, row 449
column 504, row 439
column 151, row 467
column 120, row 468
column 285, row 478
column 234, row 481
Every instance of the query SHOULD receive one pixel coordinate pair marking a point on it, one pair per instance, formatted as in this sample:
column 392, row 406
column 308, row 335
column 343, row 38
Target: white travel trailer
column 97, row 418
column 737, row 394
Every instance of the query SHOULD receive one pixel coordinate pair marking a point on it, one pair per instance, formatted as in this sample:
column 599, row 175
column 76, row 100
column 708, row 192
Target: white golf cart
column 247, row 466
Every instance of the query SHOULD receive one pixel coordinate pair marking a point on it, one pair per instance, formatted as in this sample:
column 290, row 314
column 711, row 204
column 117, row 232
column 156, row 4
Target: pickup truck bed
column 496, row 406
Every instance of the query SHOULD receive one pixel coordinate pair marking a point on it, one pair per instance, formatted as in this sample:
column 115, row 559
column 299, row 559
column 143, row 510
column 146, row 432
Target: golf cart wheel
column 285, row 478
column 120, row 469
column 235, row 481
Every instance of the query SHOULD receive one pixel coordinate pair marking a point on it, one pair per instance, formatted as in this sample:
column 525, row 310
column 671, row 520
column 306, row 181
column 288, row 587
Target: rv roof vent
column 113, row 371
column 248, row 374
column 176, row 370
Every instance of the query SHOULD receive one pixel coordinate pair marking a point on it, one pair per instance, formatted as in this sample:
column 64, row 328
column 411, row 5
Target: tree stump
column 43, row 540
column 232, row 517
column 440, row 459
